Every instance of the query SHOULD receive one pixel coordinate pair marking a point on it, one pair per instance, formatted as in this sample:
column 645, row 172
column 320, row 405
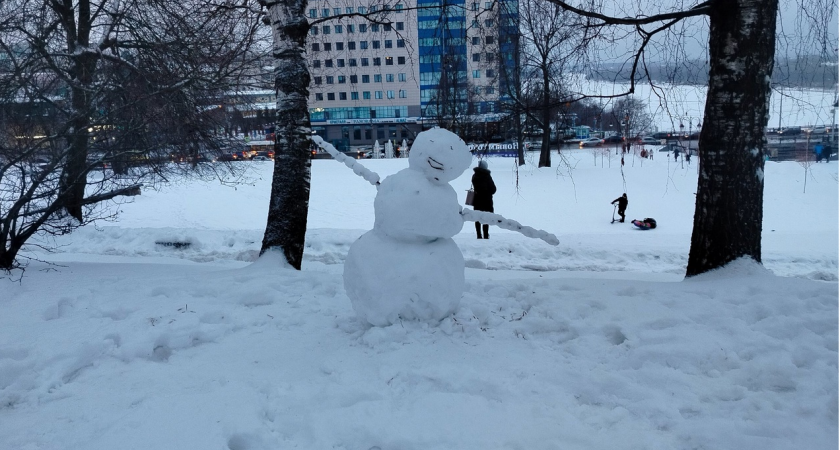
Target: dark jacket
column 622, row 203
column 484, row 189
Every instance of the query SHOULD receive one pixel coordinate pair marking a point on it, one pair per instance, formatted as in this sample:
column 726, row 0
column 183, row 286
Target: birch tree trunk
column 289, row 203
column 730, row 191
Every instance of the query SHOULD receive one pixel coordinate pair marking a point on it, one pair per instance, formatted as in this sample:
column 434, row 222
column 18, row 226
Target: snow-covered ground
column 123, row 343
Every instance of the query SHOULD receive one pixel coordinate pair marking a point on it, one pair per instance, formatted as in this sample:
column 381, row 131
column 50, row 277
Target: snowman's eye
column 434, row 164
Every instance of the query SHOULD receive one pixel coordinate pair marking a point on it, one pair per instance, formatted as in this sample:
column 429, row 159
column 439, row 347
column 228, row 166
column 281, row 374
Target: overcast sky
column 804, row 27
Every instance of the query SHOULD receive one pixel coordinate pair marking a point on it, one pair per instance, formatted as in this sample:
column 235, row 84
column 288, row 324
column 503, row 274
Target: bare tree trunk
column 730, row 192
column 289, row 204
column 545, row 150
column 74, row 177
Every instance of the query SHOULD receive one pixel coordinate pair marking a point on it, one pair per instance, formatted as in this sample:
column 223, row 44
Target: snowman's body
column 408, row 266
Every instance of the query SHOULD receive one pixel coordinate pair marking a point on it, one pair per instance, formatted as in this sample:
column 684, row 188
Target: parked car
column 647, row 140
column 665, row 135
column 614, row 139
column 816, row 130
column 590, row 142
column 790, row 131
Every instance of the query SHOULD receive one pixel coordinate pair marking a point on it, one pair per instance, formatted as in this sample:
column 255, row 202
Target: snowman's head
column 440, row 154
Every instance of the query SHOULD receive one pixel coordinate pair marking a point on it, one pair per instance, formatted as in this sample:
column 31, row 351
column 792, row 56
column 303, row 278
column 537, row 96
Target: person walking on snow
column 483, row 200
column 622, row 205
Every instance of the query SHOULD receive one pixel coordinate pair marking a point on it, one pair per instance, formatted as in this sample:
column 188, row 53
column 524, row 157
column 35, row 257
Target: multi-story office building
column 406, row 66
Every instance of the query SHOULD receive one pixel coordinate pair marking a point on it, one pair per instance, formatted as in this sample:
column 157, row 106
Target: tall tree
column 288, row 207
column 730, row 193
column 120, row 82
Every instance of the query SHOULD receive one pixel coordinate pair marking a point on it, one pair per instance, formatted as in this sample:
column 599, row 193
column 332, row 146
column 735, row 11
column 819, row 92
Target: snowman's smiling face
column 440, row 154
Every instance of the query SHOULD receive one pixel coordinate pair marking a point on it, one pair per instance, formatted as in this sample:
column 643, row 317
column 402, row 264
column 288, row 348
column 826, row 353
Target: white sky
column 595, row 343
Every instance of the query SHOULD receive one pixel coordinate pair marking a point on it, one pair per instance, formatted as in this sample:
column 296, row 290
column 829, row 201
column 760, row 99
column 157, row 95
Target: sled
column 646, row 224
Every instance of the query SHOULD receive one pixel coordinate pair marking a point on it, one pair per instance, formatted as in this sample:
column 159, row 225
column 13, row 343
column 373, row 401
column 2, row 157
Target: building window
column 362, row 10
column 400, row 43
column 375, row 44
column 474, row 23
column 313, row 31
column 325, row 29
column 325, row 12
column 489, row 40
column 365, row 78
column 342, row 96
column 488, row 22
column 328, row 63
column 386, row 27
column 389, row 60
column 390, row 94
column 489, row 90
column 402, row 93
column 352, row 62
column 476, row 57
column 491, row 73
column 316, row 47
column 377, row 94
column 319, row 97
column 377, row 78
column 374, row 27
column 401, row 77
column 400, row 26
column 476, row 40
column 354, row 96
column 339, row 62
column 488, row 5
column 317, row 80
column 316, row 63
column 476, row 74
column 350, row 28
column 329, row 79
column 339, row 46
column 490, row 57
column 400, row 60
column 377, row 61
column 475, row 6
column 362, row 27
column 336, row 11
column 363, row 45
column 313, row 13
column 330, row 96
column 354, row 78
column 342, row 79
column 348, row 10
column 327, row 47
column 351, row 45
column 389, row 43
column 339, row 29
column 398, row 7
column 389, row 78
column 366, row 95
column 365, row 62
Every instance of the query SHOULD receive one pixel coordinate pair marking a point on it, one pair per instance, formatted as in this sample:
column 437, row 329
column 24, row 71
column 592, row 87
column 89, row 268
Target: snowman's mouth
column 434, row 164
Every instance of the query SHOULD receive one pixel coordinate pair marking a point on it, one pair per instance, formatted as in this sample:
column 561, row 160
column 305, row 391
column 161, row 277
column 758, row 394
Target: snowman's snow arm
column 487, row 218
column 358, row 169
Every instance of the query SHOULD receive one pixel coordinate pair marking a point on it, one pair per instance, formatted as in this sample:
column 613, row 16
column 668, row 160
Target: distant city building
column 406, row 65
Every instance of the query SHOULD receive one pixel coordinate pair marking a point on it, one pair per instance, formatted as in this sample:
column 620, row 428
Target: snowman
column 408, row 267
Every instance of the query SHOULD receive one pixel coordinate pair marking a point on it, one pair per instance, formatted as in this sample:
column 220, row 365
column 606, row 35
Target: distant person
column 622, row 205
column 676, row 153
column 688, row 156
column 483, row 200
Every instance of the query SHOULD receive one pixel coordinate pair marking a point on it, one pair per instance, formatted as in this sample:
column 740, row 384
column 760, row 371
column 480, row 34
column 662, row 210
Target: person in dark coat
column 483, row 200
column 622, row 205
